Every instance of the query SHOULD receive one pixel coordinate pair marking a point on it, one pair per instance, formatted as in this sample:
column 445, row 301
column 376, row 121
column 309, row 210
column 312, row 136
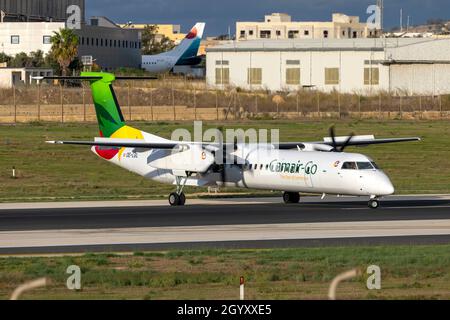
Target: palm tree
column 64, row 48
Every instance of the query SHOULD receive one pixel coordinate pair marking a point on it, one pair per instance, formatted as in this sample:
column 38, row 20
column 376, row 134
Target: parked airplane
column 186, row 53
column 296, row 167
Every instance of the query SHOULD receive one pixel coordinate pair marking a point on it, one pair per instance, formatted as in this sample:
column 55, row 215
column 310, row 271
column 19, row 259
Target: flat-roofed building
column 365, row 66
column 171, row 31
column 109, row 45
column 280, row 26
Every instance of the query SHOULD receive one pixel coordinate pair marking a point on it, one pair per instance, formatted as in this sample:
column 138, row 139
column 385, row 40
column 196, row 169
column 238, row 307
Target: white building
column 17, row 37
column 10, row 77
column 280, row 26
column 413, row 66
column 110, row 46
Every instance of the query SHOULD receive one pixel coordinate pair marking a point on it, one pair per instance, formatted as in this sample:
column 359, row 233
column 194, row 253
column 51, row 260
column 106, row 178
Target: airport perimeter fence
column 187, row 100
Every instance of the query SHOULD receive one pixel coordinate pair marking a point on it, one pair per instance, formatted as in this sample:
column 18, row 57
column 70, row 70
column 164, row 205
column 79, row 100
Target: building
column 412, row 66
column 17, row 37
column 171, row 31
column 109, row 45
column 10, row 77
column 280, row 26
column 38, row 10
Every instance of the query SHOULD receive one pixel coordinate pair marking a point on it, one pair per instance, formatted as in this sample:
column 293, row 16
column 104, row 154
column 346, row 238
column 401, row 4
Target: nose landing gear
column 374, row 203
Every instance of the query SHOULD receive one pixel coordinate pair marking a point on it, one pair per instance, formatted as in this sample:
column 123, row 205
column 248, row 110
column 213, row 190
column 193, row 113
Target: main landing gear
column 291, row 197
column 178, row 198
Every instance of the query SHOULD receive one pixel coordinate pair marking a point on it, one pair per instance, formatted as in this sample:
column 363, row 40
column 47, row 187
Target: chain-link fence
column 185, row 99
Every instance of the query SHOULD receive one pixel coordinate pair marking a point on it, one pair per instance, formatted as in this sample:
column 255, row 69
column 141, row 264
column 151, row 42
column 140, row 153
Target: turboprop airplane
column 296, row 167
column 183, row 54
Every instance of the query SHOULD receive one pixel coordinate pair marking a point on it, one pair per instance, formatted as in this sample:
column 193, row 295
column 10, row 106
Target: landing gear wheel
column 374, row 204
column 182, row 199
column 174, row 199
column 291, row 197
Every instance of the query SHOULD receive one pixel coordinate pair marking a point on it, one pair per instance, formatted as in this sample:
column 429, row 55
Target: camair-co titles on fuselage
column 299, row 167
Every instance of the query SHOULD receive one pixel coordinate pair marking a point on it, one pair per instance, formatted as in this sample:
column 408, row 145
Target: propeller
column 222, row 151
column 225, row 158
column 336, row 147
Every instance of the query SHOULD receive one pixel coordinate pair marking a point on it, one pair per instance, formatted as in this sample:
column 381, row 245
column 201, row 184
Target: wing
column 142, row 144
column 327, row 144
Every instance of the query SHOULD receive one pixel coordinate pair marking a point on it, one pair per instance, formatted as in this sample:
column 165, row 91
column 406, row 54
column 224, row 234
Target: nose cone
column 385, row 186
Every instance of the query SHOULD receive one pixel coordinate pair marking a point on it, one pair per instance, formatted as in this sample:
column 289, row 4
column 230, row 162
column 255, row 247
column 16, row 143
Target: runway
column 225, row 223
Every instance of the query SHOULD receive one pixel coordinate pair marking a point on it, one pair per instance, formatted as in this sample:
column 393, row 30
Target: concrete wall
column 312, row 66
column 408, row 67
column 38, row 10
column 31, row 36
column 110, row 57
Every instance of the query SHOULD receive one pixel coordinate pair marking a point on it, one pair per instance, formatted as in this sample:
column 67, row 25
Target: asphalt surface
column 225, row 213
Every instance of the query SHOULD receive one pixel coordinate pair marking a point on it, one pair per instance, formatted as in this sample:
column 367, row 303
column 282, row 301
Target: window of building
column 293, row 76
column 278, row 33
column 293, row 34
column 15, row 39
column 242, row 34
column 223, row 76
column 47, row 40
column 306, row 32
column 222, row 62
column 254, row 76
column 355, row 34
column 325, row 34
column 250, row 32
column 293, row 62
column 265, row 34
column 371, row 76
column 96, row 42
column 331, row 76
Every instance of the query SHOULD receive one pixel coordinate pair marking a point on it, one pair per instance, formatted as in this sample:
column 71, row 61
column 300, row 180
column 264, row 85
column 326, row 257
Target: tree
column 152, row 43
column 5, row 58
column 64, row 48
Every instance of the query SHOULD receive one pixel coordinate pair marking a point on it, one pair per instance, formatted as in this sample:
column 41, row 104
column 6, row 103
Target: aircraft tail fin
column 188, row 48
column 109, row 115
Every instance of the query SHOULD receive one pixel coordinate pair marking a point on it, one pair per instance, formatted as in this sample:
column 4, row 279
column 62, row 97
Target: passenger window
column 365, row 166
column 349, row 166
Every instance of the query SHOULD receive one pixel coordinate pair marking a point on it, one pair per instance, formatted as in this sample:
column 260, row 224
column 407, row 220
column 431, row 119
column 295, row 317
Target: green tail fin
column 109, row 116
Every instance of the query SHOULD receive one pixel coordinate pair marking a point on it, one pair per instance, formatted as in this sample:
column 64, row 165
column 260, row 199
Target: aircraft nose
column 386, row 187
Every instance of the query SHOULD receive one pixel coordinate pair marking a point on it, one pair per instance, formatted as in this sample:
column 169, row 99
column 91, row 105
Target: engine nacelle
column 187, row 158
column 317, row 147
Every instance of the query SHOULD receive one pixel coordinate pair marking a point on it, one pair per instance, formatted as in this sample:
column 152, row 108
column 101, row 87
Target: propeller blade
column 347, row 142
column 333, row 138
column 223, row 174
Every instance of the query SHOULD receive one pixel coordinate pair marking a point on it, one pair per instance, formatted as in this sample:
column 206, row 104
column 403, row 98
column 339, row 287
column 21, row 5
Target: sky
column 221, row 14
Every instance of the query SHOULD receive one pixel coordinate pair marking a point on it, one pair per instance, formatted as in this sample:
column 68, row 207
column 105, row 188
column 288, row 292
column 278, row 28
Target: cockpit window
column 349, row 166
column 375, row 166
column 365, row 166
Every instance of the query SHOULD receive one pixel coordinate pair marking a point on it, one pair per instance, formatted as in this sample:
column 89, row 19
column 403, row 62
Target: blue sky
column 219, row 14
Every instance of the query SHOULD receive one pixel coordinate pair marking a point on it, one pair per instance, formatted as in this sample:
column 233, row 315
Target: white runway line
column 291, row 231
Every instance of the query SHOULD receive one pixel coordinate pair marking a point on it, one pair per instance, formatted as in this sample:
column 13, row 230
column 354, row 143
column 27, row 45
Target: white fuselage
column 160, row 63
column 272, row 169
